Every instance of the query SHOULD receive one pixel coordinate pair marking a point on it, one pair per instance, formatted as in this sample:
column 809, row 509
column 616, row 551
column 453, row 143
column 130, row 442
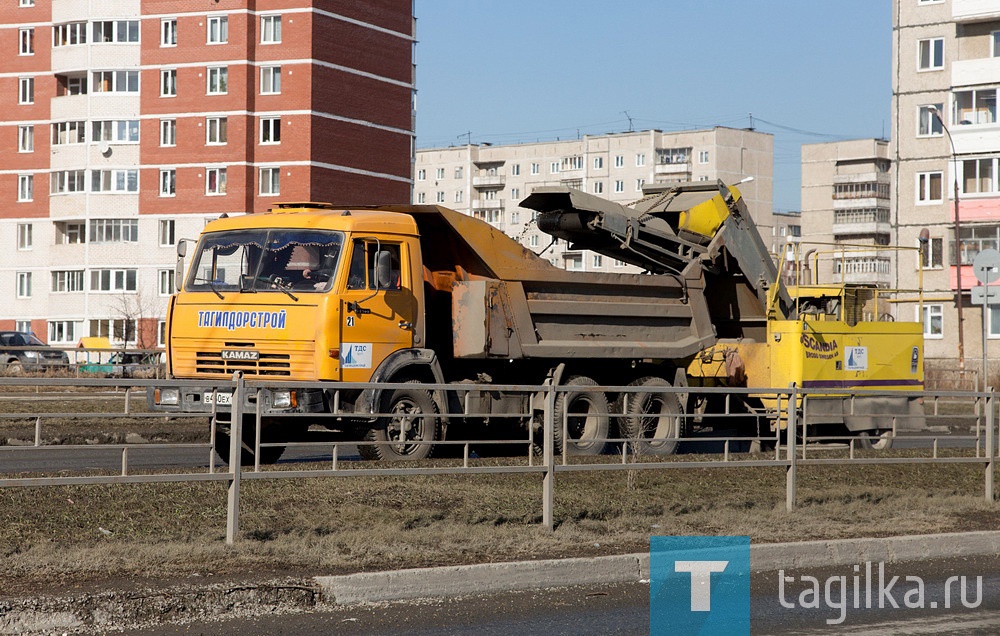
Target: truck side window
column 356, row 278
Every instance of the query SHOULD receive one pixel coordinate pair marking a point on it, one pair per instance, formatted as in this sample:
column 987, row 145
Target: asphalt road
column 624, row 608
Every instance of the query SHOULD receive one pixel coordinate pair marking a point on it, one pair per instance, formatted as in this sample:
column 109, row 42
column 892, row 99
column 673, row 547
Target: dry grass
column 64, row 535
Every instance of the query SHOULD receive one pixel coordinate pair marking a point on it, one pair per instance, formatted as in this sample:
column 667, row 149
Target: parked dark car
column 22, row 351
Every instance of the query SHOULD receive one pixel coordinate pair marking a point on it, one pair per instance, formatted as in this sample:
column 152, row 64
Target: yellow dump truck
column 318, row 293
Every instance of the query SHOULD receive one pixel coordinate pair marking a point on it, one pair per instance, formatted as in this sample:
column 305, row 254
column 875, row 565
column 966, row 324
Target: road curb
column 372, row 587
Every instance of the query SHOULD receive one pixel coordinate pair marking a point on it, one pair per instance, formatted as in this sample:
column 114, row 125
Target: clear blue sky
column 507, row 71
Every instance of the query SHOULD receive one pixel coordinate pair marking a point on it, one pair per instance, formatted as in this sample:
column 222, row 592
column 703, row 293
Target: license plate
column 222, row 399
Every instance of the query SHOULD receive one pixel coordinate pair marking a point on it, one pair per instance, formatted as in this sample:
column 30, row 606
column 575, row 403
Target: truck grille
column 275, row 364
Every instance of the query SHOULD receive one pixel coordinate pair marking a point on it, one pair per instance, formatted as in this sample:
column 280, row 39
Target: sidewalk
column 124, row 609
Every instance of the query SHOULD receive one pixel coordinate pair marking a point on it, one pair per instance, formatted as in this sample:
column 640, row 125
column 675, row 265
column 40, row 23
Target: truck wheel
column 875, row 439
column 654, row 420
column 268, row 455
column 413, row 418
column 588, row 421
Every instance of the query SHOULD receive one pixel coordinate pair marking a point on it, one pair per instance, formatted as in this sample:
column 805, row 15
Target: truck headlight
column 170, row 397
column 283, row 399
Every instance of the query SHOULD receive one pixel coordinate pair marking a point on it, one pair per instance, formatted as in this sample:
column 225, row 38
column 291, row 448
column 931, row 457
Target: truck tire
column 413, row 419
column 14, row 367
column 588, row 420
column 653, row 421
column 268, row 454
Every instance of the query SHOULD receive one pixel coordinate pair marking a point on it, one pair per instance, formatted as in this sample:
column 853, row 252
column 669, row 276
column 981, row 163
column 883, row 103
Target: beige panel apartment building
column 489, row 181
column 846, row 215
column 946, row 73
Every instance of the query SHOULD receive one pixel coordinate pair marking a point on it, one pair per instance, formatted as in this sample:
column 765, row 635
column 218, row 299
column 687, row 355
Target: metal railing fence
column 30, row 407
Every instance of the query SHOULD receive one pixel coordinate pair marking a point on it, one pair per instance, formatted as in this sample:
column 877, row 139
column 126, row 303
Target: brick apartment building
column 127, row 125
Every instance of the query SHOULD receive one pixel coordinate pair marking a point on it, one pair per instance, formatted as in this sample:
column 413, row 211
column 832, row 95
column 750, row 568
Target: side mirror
column 182, row 248
column 179, row 267
column 383, row 265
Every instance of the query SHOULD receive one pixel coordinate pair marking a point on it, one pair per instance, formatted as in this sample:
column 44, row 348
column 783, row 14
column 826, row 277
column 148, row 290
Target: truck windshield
column 275, row 260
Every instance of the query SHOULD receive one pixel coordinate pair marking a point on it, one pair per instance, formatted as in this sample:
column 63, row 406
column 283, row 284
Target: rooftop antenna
column 751, row 122
column 468, row 137
column 630, row 129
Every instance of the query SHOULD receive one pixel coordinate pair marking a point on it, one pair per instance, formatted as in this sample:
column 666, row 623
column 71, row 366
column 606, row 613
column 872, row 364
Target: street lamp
column 958, row 245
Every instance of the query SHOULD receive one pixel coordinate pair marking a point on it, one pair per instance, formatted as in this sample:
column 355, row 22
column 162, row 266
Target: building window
column 168, row 132
column 116, row 31
column 215, row 131
column 25, row 3
column 114, row 231
column 598, row 163
column 270, row 181
column 515, row 170
column 535, row 168
column 978, row 176
column 270, row 130
column 974, row 239
column 69, row 34
column 458, row 172
column 619, row 161
column 440, row 197
column 421, row 175
column 270, row 29
column 119, row 131
column 24, row 236
column 533, row 241
column 26, row 90
column 977, row 106
column 119, row 331
column 933, row 319
column 113, row 280
column 114, row 180
column 69, row 132
column 218, row 29
column 929, row 188
column 669, row 156
column 640, row 160
column 25, row 187
column 218, row 80
column 168, row 182
column 270, row 80
column 215, row 181
column 26, row 41
column 554, row 167
column 166, row 279
column 26, row 139
column 64, row 282
column 930, row 54
column 168, row 82
column 167, row 237
column 24, row 284
column 639, row 183
column 62, row 331
column 115, row 82
column 168, row 32
column 67, row 181
column 70, row 233
column 421, row 197
column 929, row 124
column 619, row 186
column 931, row 254
column 515, row 217
column 161, row 333
column 598, row 187
column 515, row 194
column 702, row 156
column 75, row 85
column 597, row 261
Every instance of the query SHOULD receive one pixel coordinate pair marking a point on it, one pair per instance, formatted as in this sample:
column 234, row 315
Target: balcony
column 979, row 71
column 863, row 269
column 673, row 168
column 974, row 10
column 487, row 204
column 488, row 181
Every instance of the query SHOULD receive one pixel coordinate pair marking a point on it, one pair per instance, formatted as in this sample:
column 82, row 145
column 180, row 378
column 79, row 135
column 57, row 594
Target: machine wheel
column 413, row 418
column 655, row 420
column 588, row 420
column 268, row 454
column 14, row 367
column 876, row 439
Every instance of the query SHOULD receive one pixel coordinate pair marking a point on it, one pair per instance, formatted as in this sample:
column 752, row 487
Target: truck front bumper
column 215, row 399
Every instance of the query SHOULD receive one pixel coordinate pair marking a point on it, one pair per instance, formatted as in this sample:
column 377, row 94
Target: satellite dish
column 104, row 148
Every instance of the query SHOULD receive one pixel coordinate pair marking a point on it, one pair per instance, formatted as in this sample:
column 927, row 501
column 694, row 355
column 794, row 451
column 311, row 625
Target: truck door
column 376, row 321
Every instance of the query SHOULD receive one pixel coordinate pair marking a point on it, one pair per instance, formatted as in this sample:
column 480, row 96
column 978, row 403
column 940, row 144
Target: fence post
column 790, row 483
column 990, row 442
column 235, row 444
column 548, row 454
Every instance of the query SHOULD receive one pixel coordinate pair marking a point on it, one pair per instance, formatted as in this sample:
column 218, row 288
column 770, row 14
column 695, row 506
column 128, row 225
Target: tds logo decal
column 356, row 355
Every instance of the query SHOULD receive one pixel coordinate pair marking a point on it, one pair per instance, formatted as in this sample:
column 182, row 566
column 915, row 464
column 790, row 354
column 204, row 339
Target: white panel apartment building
column 946, row 61
column 488, row 181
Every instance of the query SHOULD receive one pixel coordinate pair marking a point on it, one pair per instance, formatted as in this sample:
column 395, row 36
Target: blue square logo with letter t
column 699, row 585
